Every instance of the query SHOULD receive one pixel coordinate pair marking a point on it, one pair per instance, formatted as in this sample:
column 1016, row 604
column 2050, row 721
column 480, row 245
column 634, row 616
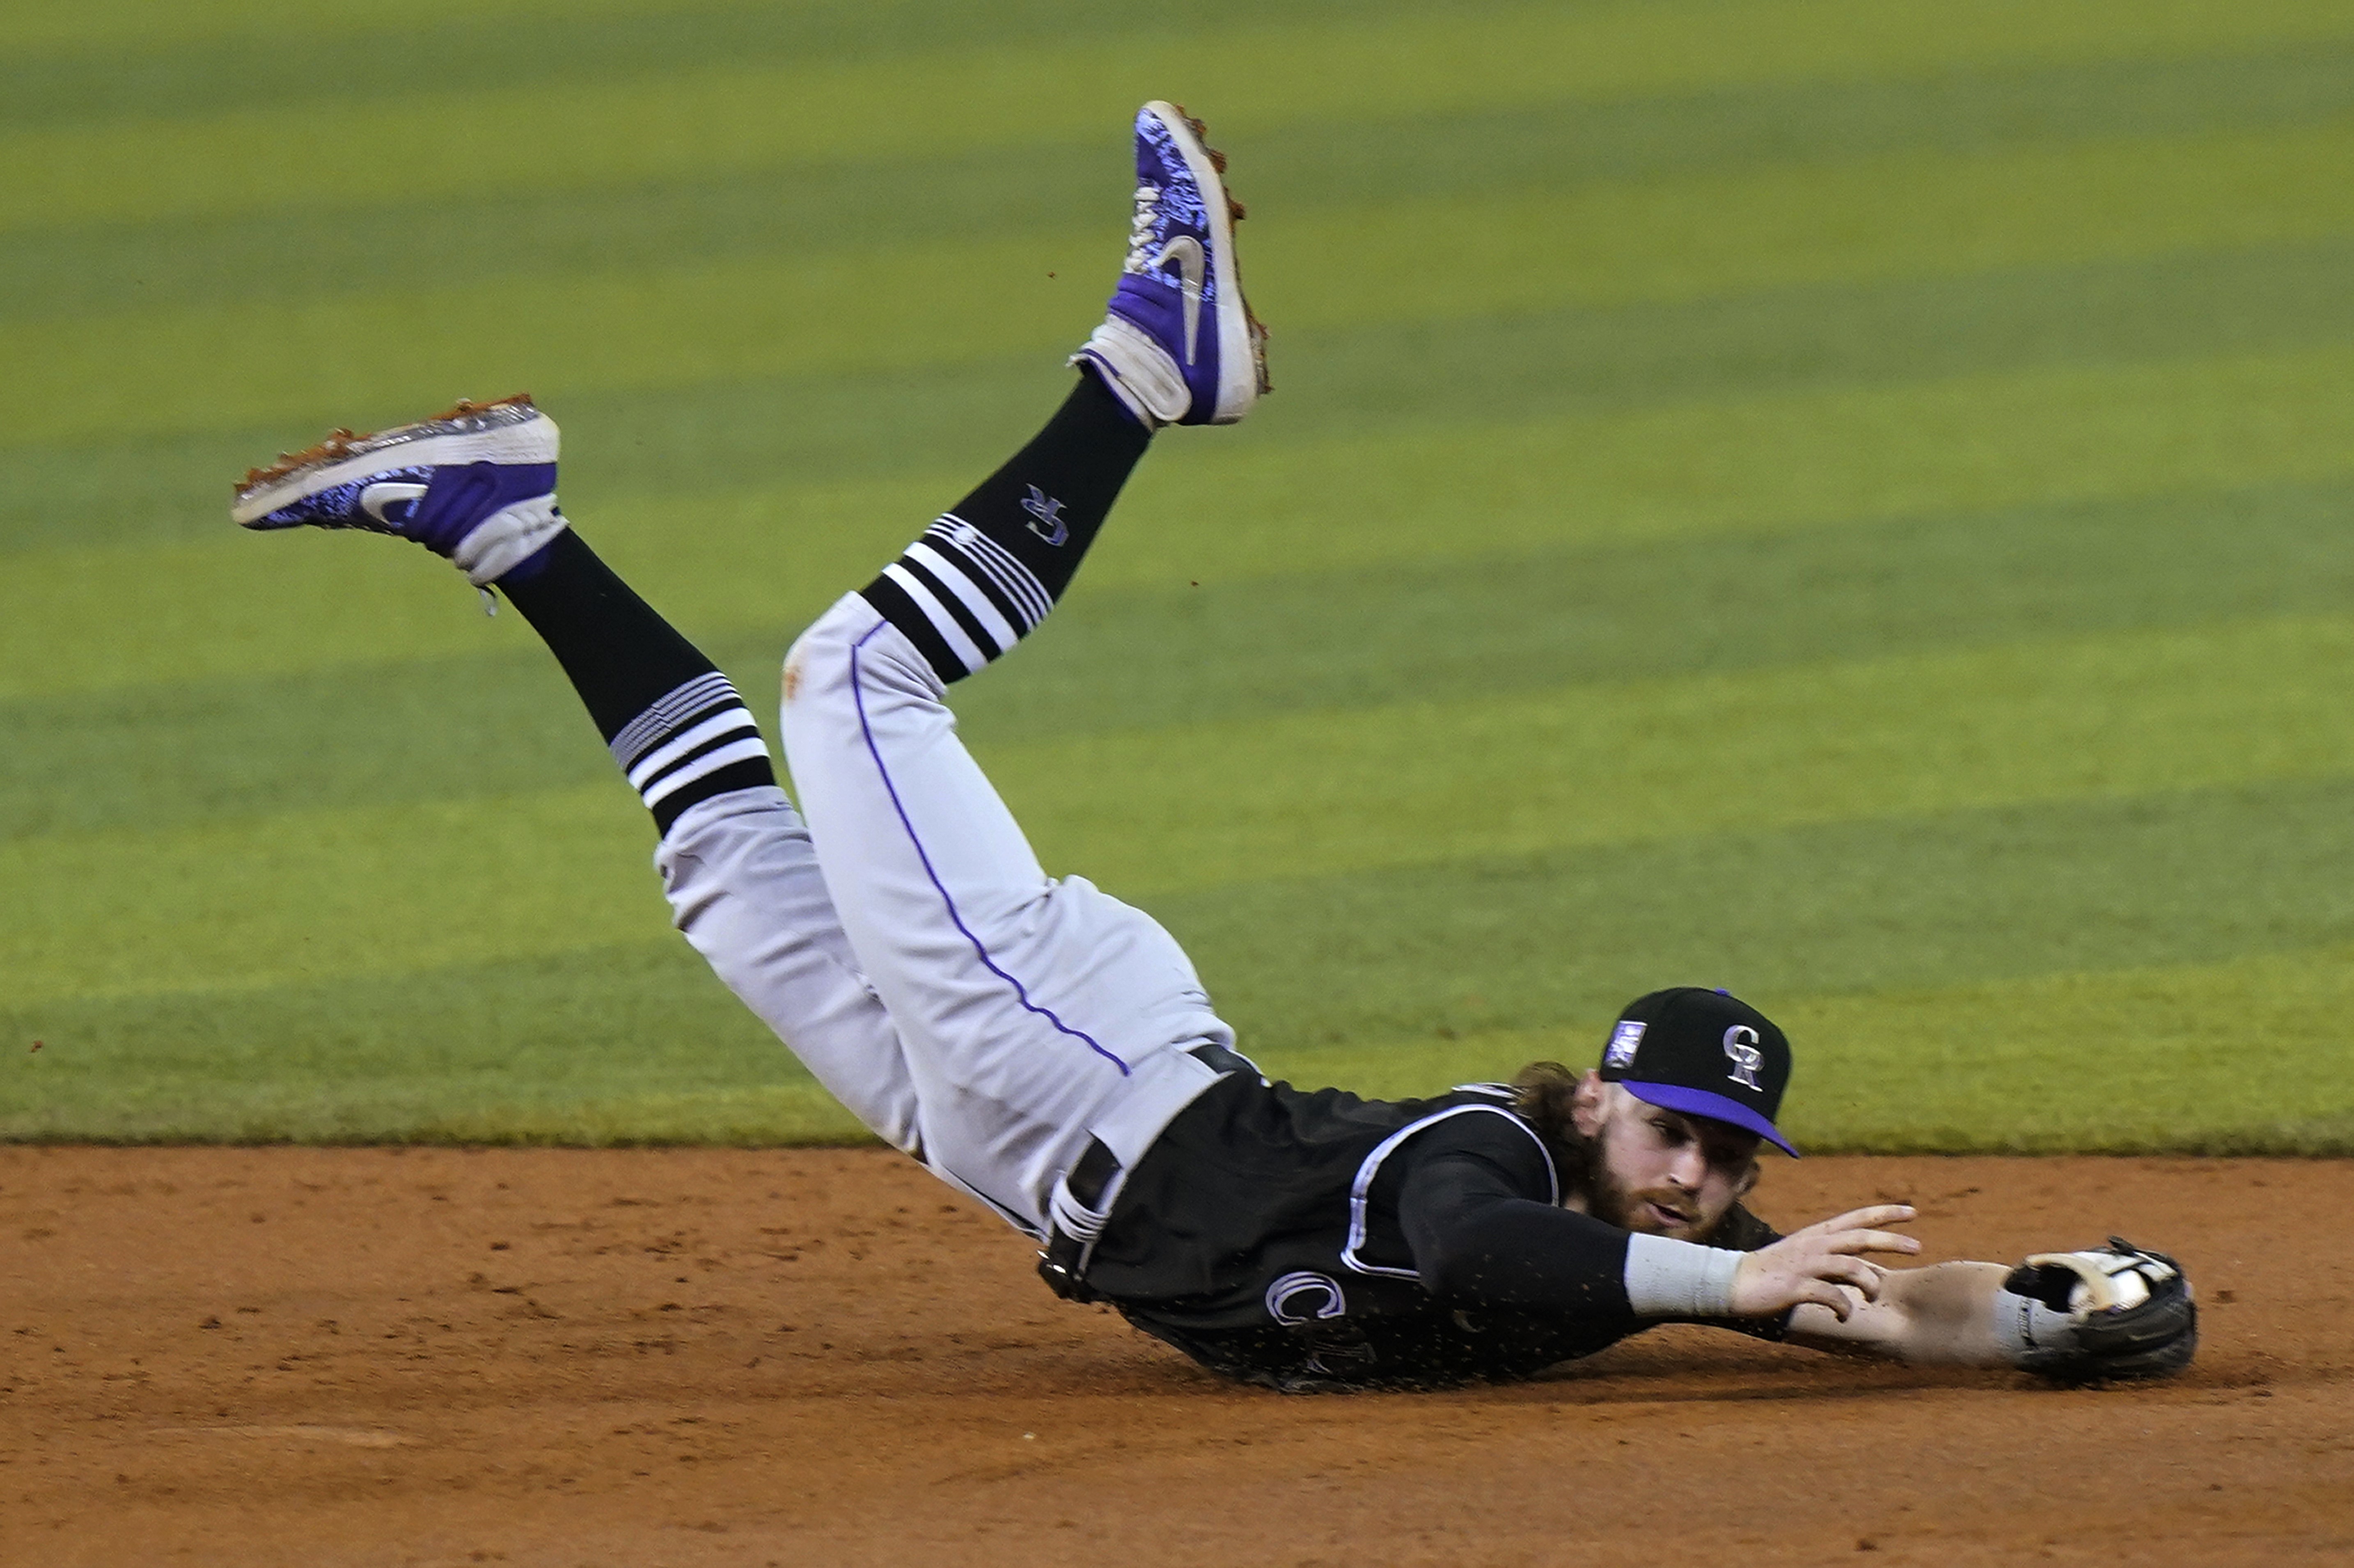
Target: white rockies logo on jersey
column 1305, row 1297
column 1740, row 1050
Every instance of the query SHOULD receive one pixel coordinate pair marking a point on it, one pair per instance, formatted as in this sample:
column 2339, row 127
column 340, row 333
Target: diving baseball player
column 1049, row 1051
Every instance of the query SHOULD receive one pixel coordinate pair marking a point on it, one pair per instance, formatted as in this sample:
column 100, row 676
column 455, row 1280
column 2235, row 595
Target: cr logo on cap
column 1740, row 1050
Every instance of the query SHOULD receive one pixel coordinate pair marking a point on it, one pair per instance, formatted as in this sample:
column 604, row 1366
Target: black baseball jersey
column 1318, row 1241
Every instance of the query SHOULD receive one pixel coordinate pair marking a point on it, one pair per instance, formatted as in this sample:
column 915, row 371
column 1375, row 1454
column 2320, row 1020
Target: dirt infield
column 648, row 1358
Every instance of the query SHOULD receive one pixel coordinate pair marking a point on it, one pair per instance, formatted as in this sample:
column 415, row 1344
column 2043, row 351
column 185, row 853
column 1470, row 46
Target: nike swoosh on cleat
column 385, row 495
column 1186, row 251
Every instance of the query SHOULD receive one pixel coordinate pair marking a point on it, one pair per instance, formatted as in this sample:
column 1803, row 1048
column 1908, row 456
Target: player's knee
column 817, row 661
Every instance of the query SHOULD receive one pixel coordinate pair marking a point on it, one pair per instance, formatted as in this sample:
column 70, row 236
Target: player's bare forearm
column 1942, row 1314
column 2101, row 1314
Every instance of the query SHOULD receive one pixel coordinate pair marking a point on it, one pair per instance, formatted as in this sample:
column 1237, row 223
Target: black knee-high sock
column 986, row 573
column 672, row 721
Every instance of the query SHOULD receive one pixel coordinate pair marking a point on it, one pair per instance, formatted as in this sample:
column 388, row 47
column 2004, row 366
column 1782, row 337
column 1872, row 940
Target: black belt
column 1063, row 1265
column 1093, row 1174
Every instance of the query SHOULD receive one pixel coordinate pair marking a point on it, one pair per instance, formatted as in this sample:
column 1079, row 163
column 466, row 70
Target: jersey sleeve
column 1477, row 1210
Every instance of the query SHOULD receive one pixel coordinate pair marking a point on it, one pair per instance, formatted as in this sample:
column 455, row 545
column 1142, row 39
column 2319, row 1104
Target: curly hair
column 1541, row 1094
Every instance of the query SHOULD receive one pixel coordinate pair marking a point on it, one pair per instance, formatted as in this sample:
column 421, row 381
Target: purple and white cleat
column 1179, row 345
column 475, row 484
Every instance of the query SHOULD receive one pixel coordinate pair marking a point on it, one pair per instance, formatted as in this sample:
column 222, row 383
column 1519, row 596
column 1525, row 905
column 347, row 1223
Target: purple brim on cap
column 1716, row 1107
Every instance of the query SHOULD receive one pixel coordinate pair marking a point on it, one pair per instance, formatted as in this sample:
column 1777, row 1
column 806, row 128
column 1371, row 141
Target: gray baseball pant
column 899, row 934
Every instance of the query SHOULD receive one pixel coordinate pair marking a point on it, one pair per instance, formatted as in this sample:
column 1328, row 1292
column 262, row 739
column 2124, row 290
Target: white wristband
column 1679, row 1279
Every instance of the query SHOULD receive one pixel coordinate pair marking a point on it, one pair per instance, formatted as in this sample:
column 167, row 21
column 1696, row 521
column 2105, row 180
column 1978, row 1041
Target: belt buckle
column 1063, row 1265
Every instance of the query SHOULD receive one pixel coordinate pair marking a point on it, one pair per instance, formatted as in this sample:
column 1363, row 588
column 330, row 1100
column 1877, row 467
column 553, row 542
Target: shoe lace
column 1140, row 228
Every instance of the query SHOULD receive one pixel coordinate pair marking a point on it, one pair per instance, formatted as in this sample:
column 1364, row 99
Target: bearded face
column 1661, row 1173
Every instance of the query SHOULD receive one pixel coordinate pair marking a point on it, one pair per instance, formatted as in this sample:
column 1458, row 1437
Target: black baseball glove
column 2111, row 1312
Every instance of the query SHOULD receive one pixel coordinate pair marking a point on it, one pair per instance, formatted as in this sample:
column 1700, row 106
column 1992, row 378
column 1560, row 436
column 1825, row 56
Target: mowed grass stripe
column 112, row 27
column 1890, row 904
column 347, row 59
column 88, row 620
column 1332, row 981
column 634, row 1042
column 1746, row 467
column 162, row 70
column 1442, row 631
column 2241, row 1057
column 1431, row 261
column 1330, row 793
column 637, row 1107
column 309, row 896
column 243, row 604
column 2126, row 1061
column 732, row 117
column 504, row 721
column 1302, row 797
column 640, row 1044
column 953, row 196
column 1513, row 368
column 498, row 724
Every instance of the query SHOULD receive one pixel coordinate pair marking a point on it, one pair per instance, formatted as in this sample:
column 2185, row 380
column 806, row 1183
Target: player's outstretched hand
column 1812, row 1264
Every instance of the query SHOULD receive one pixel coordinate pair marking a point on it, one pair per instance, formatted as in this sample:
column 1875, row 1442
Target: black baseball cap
column 1703, row 1052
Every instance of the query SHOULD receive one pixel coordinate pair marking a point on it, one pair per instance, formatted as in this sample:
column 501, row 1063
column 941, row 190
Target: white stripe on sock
column 937, row 613
column 703, row 767
column 961, row 583
column 722, row 723
column 668, row 712
column 1004, row 567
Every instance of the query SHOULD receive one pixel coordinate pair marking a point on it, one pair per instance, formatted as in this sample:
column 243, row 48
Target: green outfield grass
column 1840, row 499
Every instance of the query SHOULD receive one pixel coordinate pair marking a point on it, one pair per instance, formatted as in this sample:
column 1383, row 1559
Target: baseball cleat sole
column 1242, row 340
column 511, row 430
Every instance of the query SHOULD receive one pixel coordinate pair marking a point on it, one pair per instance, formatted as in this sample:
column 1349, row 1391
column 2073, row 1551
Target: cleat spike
column 465, row 405
column 342, row 441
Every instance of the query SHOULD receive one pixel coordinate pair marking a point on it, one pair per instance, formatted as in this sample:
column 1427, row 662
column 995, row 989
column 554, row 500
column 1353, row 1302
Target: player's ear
column 1589, row 1104
column 1748, row 1184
